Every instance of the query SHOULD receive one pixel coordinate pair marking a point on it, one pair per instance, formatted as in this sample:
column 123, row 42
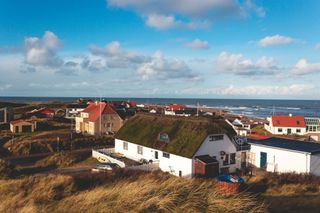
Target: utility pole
column 58, row 143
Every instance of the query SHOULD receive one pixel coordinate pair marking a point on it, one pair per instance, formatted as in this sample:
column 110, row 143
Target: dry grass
column 123, row 192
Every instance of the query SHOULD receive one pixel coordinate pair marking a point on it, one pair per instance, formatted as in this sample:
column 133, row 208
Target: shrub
column 6, row 170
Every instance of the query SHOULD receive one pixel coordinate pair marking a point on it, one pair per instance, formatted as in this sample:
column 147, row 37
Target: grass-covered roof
column 185, row 134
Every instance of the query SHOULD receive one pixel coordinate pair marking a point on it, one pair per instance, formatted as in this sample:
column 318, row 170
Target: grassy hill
column 121, row 191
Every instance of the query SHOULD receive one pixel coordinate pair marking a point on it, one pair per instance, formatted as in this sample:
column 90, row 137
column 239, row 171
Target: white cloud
column 317, row 46
column 161, row 22
column 189, row 14
column 113, row 56
column 198, row 44
column 161, row 68
column 238, row 65
column 276, row 40
column 5, row 86
column 294, row 89
column 303, row 67
column 42, row 51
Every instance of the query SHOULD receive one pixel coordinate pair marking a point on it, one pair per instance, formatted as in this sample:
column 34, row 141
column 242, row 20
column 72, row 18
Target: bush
column 292, row 178
column 6, row 170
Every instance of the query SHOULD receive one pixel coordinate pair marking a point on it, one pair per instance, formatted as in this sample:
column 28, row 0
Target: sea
column 257, row 108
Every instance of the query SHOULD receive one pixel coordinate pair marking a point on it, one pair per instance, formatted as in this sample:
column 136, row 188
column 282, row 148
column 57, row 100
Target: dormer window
column 164, row 137
column 215, row 137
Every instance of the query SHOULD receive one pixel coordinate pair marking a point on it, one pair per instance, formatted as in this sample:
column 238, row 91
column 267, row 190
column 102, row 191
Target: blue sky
column 151, row 48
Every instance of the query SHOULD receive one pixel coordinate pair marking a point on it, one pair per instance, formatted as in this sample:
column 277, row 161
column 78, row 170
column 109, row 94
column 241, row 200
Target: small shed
column 21, row 126
column 206, row 166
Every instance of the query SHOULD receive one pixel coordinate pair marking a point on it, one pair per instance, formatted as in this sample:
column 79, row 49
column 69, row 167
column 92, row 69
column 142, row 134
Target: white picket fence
column 105, row 156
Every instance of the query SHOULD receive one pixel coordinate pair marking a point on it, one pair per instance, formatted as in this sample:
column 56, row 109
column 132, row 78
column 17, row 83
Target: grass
column 286, row 192
column 121, row 191
column 60, row 160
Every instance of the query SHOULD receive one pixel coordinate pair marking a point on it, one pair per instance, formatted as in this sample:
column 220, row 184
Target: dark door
column 263, row 159
column 26, row 128
column 243, row 159
column 17, row 129
column 156, row 154
column 289, row 131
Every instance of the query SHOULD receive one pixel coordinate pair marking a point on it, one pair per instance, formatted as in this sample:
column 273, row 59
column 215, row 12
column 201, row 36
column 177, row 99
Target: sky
column 160, row 48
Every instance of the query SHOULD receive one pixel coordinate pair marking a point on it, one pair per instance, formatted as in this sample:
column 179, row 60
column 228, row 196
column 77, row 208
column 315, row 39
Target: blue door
column 263, row 159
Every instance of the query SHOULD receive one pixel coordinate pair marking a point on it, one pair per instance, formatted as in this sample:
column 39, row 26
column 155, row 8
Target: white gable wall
column 213, row 148
column 281, row 160
column 173, row 164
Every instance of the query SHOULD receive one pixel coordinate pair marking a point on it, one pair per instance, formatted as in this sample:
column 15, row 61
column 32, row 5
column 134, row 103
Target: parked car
column 105, row 167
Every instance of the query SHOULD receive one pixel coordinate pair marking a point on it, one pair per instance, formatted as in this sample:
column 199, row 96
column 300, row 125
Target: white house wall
column 173, row 165
column 213, row 148
column 279, row 160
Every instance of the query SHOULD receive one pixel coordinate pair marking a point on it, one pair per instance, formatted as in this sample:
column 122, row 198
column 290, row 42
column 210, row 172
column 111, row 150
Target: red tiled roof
column 96, row 109
column 175, row 107
column 288, row 121
column 257, row 136
column 46, row 111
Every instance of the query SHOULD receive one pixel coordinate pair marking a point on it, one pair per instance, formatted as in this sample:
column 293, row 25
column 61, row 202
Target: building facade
column 283, row 155
column 286, row 125
column 98, row 118
column 21, row 126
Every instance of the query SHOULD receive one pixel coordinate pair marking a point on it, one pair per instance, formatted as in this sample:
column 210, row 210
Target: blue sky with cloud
column 151, row 48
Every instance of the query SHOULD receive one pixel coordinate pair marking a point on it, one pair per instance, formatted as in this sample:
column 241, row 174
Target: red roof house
column 98, row 118
column 286, row 125
column 288, row 121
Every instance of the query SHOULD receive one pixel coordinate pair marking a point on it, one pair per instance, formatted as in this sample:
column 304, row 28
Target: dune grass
column 122, row 191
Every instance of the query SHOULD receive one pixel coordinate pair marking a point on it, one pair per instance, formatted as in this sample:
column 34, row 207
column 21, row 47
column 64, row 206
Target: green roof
column 185, row 134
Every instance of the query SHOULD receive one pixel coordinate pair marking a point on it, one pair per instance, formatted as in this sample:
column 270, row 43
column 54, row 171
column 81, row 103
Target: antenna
column 198, row 109
column 273, row 110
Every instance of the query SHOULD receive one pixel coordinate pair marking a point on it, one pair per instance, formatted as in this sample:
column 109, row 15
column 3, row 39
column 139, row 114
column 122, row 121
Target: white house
column 182, row 146
column 74, row 110
column 286, row 125
column 242, row 128
column 284, row 155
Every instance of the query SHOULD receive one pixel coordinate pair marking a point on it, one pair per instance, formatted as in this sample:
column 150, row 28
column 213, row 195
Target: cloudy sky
column 160, row 48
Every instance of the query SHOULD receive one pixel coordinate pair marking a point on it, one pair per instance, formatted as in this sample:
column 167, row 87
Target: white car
column 105, row 167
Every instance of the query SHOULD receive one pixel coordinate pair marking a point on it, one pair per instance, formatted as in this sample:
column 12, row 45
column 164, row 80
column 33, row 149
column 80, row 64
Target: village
column 94, row 137
column 187, row 142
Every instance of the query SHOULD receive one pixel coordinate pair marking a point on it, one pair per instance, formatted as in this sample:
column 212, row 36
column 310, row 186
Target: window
column 226, row 159
column 279, row 129
column 164, row 137
column 232, row 158
column 215, row 137
column 140, row 150
column 165, row 155
column 298, row 130
column 125, row 145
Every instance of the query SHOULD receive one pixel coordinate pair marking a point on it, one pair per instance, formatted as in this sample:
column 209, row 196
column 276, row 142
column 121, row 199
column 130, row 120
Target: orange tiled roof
column 96, row 109
column 288, row 121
